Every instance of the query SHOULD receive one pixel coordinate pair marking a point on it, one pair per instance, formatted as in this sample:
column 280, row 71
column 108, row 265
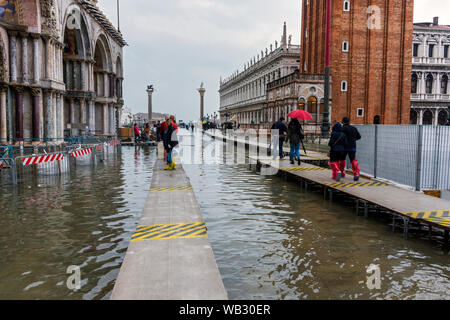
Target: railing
column 41, row 163
column 415, row 156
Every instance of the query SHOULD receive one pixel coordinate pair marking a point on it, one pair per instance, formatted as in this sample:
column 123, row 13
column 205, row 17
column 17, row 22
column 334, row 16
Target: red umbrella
column 300, row 114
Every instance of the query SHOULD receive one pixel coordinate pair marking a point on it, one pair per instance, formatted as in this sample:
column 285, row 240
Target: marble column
column 13, row 56
column 112, row 125
column 105, row 84
column 67, row 76
column 36, row 92
column 24, row 58
column 421, row 116
column 82, row 76
column 48, row 110
column 75, row 83
column 48, row 50
column 19, row 112
column 3, row 128
column 105, row 119
column 59, row 117
column 72, row 117
column 55, row 115
column 436, row 117
column 83, row 118
column 36, row 71
column 92, row 116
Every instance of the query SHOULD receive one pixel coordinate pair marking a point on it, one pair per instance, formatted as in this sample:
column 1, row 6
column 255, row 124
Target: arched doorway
column 427, row 117
column 76, row 71
column 376, row 119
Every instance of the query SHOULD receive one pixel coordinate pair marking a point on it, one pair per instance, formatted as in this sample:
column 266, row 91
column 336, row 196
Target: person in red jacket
column 163, row 128
column 136, row 133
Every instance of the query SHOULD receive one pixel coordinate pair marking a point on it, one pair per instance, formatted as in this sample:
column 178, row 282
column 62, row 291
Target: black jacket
column 338, row 139
column 169, row 138
column 352, row 136
column 281, row 127
column 295, row 133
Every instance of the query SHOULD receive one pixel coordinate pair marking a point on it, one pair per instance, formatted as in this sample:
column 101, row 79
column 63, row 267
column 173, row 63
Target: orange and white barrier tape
column 81, row 153
column 99, row 147
column 42, row 159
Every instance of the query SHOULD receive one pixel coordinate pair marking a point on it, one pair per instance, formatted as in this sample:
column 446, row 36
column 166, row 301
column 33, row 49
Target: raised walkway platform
column 170, row 256
column 407, row 206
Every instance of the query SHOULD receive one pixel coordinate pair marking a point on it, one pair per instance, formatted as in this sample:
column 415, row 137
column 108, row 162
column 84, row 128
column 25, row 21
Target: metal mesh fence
column 416, row 156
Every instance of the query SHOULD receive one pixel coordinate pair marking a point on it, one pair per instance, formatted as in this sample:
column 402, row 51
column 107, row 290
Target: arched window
column 444, row 84
column 427, row 118
column 414, row 83
column 376, row 119
column 346, row 6
column 312, row 106
column 429, row 84
column 442, row 117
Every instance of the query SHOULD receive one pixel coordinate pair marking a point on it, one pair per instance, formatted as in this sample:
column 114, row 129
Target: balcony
column 430, row 97
column 428, row 60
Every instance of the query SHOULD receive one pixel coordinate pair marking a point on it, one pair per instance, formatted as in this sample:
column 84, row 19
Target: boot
column 335, row 173
column 356, row 172
column 169, row 167
column 173, row 165
column 342, row 166
column 299, row 162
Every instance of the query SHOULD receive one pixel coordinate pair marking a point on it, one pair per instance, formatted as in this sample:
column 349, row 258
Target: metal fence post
column 375, row 154
column 419, row 159
column 13, row 171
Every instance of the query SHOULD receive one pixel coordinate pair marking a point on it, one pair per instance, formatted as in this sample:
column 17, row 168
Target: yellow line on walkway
column 171, row 188
column 170, row 231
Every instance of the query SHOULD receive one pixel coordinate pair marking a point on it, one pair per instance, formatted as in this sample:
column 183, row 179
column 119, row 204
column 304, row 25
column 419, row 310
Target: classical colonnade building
column 430, row 86
column 61, row 70
column 243, row 95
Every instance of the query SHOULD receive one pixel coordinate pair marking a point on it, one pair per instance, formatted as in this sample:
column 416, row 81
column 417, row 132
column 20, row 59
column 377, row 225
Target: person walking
column 170, row 141
column 136, row 133
column 352, row 135
column 158, row 131
column 162, row 129
column 147, row 132
column 295, row 135
column 282, row 129
column 337, row 153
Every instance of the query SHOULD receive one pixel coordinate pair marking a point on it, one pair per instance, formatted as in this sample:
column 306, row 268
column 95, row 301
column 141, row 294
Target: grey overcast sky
column 177, row 44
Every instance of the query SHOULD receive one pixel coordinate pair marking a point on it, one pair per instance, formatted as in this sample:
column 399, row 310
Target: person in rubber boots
column 352, row 135
column 170, row 141
column 337, row 144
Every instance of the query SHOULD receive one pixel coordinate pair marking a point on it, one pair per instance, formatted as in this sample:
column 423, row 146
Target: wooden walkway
column 407, row 206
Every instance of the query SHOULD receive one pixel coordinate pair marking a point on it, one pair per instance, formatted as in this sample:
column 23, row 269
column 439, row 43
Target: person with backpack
column 282, row 129
column 352, row 135
column 337, row 153
column 295, row 135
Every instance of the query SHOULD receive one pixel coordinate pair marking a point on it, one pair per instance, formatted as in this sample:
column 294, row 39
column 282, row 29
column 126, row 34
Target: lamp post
column 326, row 112
column 150, row 91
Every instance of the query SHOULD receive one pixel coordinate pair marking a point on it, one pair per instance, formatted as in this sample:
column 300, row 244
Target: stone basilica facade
column 61, row 70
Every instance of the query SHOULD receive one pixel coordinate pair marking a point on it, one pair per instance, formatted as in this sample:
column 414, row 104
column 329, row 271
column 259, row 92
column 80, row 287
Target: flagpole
column 118, row 16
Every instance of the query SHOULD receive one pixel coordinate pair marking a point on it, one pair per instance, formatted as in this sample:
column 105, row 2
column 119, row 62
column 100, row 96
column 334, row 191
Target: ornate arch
column 75, row 30
column 102, row 51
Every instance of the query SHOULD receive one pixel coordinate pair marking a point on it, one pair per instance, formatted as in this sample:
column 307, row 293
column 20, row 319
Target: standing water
column 83, row 219
column 270, row 240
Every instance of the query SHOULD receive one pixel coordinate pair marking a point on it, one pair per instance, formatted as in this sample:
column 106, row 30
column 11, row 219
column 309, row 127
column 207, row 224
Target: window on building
column 344, row 86
column 429, row 84
column 345, row 46
column 346, row 5
column 414, row 83
column 360, row 112
column 416, row 50
column 446, row 51
column 430, row 50
column 444, row 84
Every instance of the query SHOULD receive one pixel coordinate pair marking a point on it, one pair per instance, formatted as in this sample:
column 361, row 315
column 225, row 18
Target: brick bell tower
column 371, row 57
